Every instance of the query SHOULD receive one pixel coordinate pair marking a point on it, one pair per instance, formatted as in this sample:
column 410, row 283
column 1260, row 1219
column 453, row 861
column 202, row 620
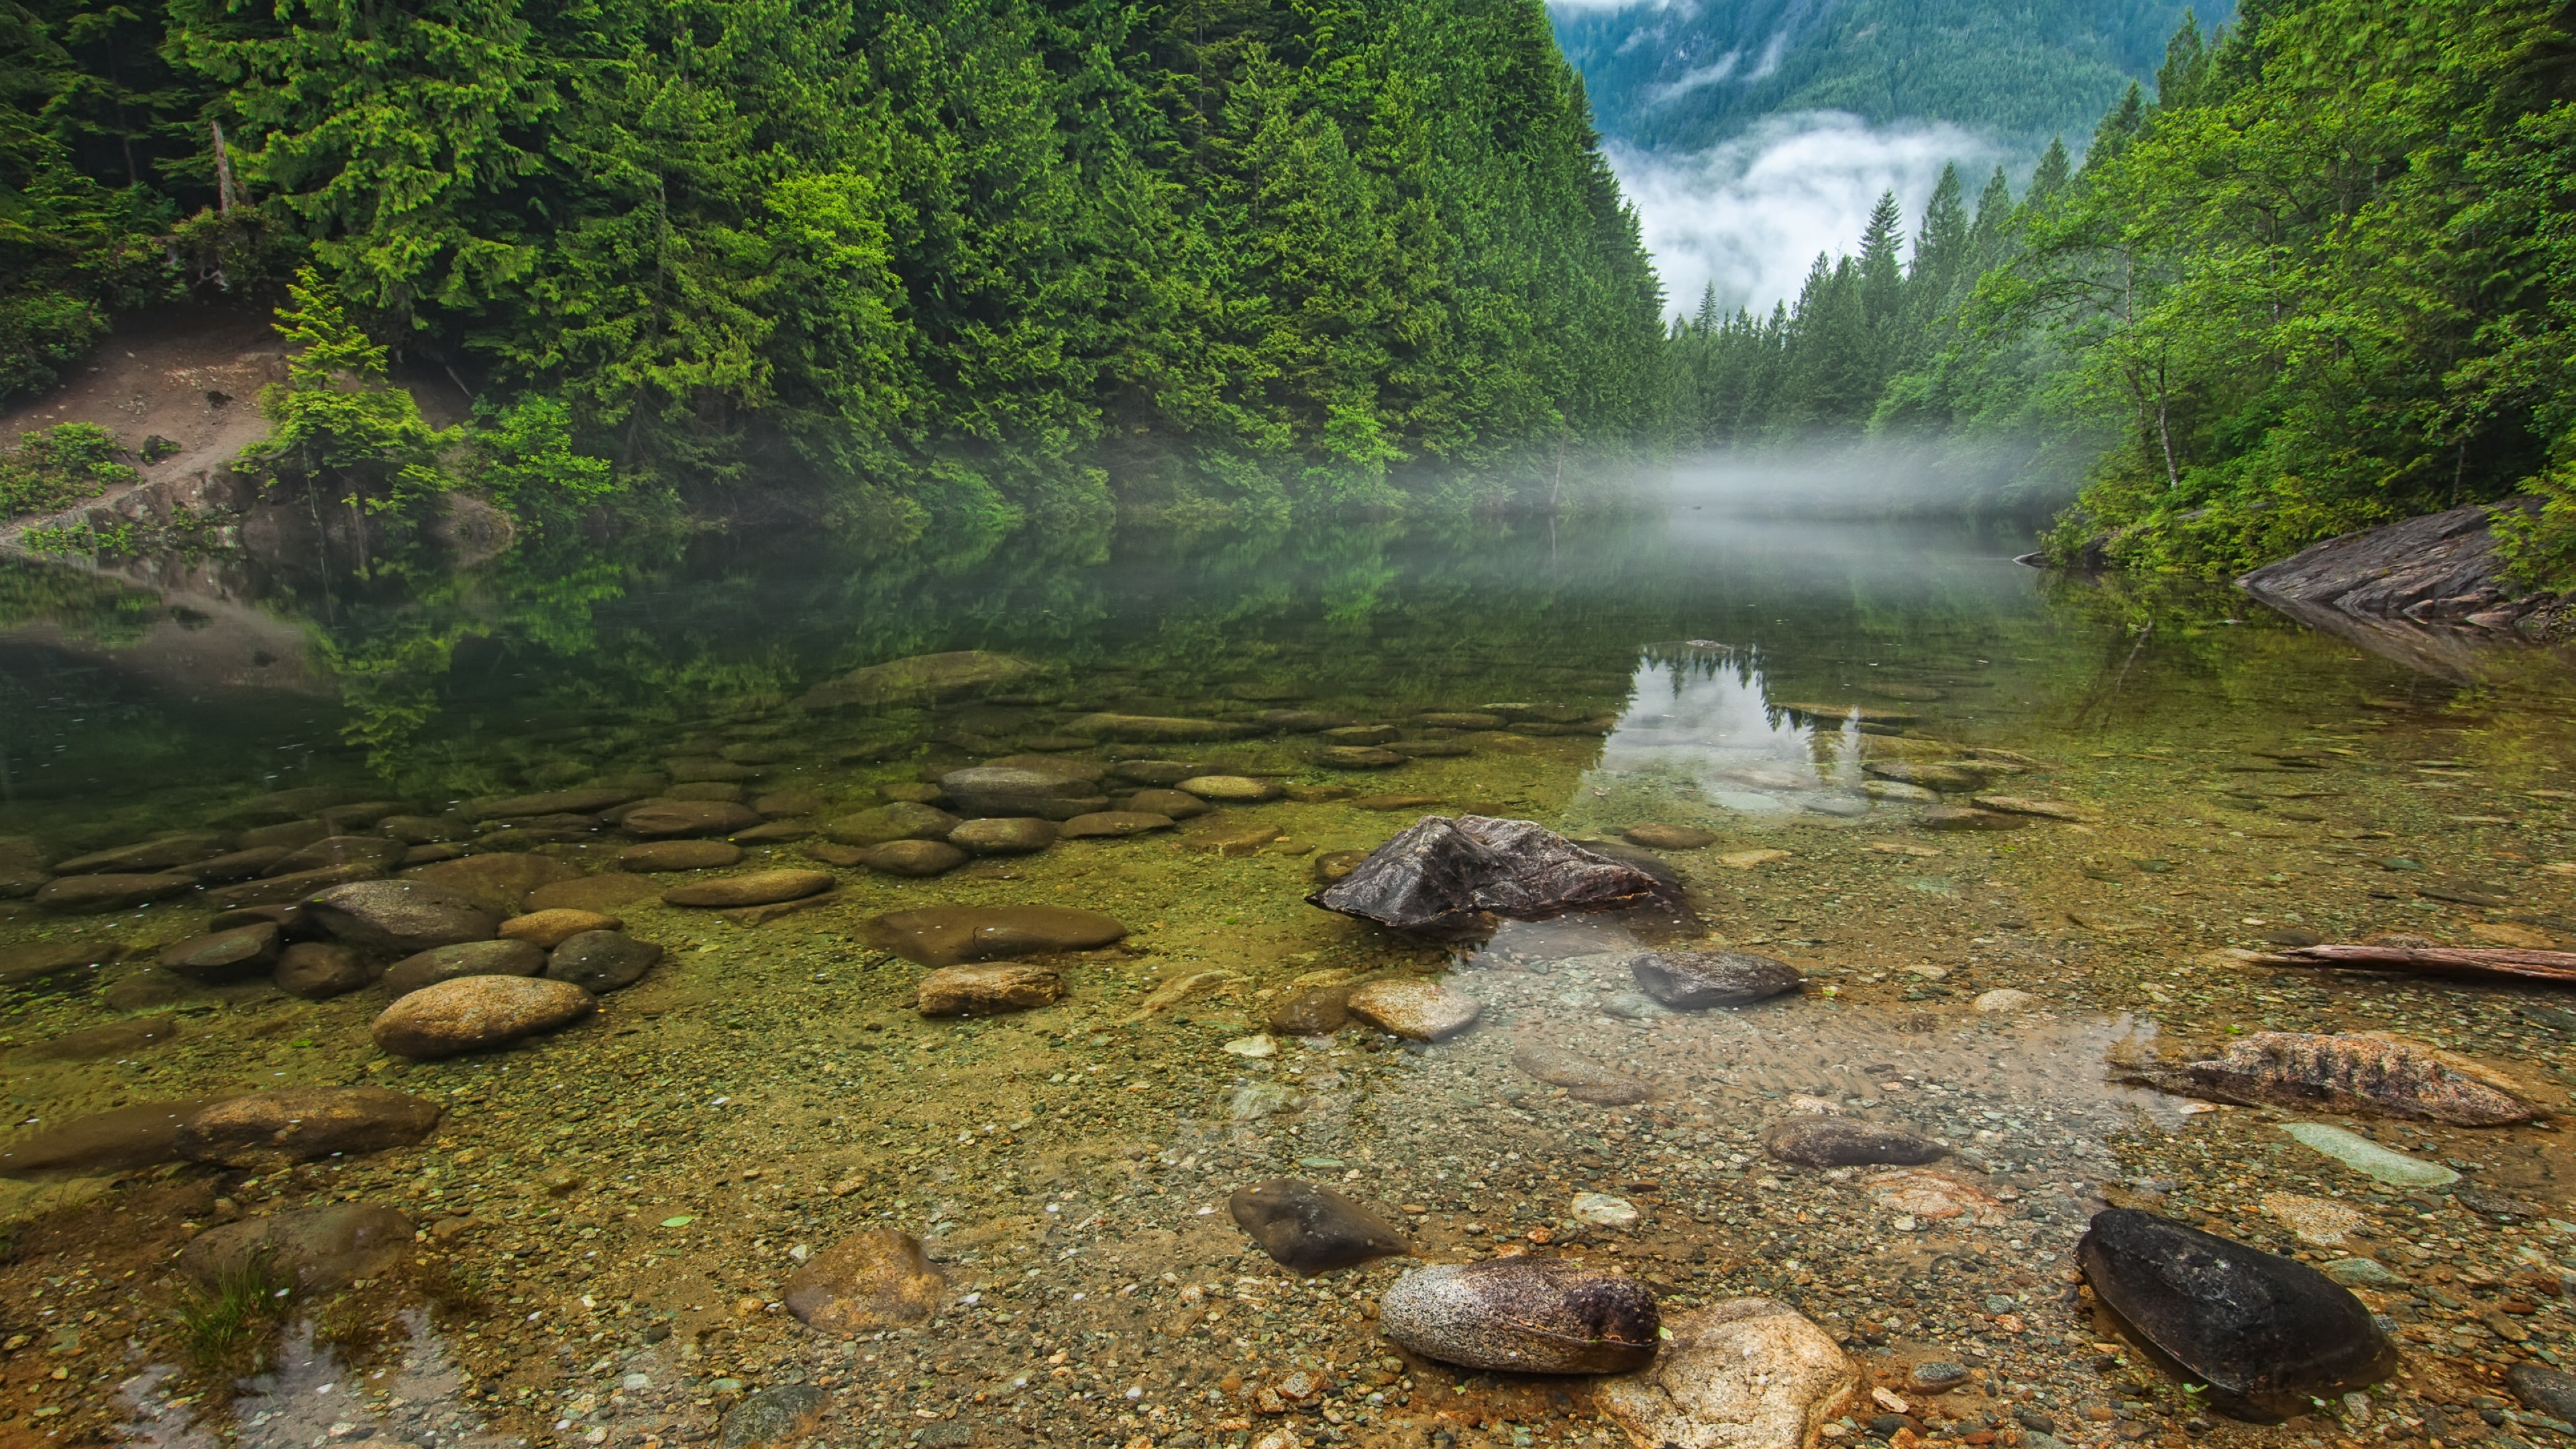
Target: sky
column 1752, row 213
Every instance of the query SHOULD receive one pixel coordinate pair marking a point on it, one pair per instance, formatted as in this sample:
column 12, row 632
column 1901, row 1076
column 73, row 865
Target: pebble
column 2004, row 998
column 913, row 858
column 1745, row 1373
column 1695, row 979
column 663, row 819
column 1260, row 1046
column 1421, row 1010
column 987, row 990
column 955, row 935
column 1602, row 1210
column 1937, row 1376
column 661, row 855
column 1311, row 1229
column 1668, row 837
column 2369, row 1158
column 1845, row 1142
column 1021, row 835
column 2318, row 1221
column 759, row 888
column 601, row 961
column 1231, row 789
column 466, row 958
column 316, row 1249
column 302, row 1124
column 237, row 954
column 2268, row 1334
column 473, row 1013
column 2362, row 1273
column 548, row 929
column 320, row 970
column 1524, row 1315
column 1584, row 1079
column 902, row 820
column 400, row 915
column 873, row 1280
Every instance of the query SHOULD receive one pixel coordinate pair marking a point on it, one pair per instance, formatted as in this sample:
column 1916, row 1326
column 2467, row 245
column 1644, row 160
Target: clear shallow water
column 627, row 1198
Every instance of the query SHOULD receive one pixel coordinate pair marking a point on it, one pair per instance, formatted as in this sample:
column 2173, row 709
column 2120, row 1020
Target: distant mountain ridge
column 1685, row 76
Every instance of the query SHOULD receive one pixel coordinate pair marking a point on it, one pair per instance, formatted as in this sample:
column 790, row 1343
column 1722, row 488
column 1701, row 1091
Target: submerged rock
column 1747, row 1373
column 914, row 858
column 1669, row 837
column 315, row 1249
column 466, row 958
column 2267, row 1333
column 301, row 1124
column 778, row 1415
column 1845, row 1142
column 1525, row 1315
column 1312, row 1011
column 922, row 676
column 988, row 990
column 1011, row 792
column 1004, row 835
column 1693, row 979
column 2343, row 1074
column 499, row 883
column 241, row 952
column 319, row 970
column 1154, row 728
column 1114, row 824
column 1312, row 1229
column 143, row 1135
column 869, row 1281
column 1231, row 789
column 679, row 855
column 548, row 929
column 757, row 888
column 473, row 1013
column 1170, row 804
column 902, row 820
column 670, row 819
column 401, row 916
column 954, row 935
column 148, row 857
column 1583, row 1079
column 1446, row 877
column 1422, row 1010
column 75, row 895
column 601, row 961
column 2543, row 1390
column 378, row 853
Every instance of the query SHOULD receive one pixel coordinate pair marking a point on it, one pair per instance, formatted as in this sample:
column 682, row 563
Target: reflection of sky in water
column 1699, row 719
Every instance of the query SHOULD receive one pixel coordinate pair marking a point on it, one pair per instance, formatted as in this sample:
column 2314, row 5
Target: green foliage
column 2539, row 547
column 525, row 459
column 228, row 1330
column 53, row 468
column 336, row 425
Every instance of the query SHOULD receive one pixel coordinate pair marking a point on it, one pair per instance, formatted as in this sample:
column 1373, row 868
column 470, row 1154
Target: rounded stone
column 1112, row 824
column 1668, row 837
column 241, row 952
column 916, row 858
column 241, row 865
column 988, row 989
column 954, row 935
column 319, row 970
column 400, row 915
column 1745, row 1373
column 301, row 1124
column 1421, row 1010
column 548, row 929
column 665, row 819
column 499, row 882
column 1020, row 835
column 602, row 961
column 476, row 1013
column 1311, row 1229
column 1691, row 979
column 679, row 855
column 1847, row 1142
column 1001, row 790
column 1357, row 757
column 465, row 958
column 121, row 1140
column 1232, row 789
column 759, row 888
column 1523, row 1315
column 902, row 820
column 315, row 1249
column 1174, row 804
column 1312, row 1011
column 874, row 1280
column 77, row 895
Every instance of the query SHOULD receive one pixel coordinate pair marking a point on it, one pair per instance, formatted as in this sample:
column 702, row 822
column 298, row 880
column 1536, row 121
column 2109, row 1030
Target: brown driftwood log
column 2481, row 961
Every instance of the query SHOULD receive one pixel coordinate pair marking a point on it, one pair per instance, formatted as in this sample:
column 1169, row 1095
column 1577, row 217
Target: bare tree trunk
column 223, row 170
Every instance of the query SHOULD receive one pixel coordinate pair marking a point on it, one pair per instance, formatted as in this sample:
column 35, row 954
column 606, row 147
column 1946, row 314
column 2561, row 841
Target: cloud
column 1585, row 7
column 1751, row 214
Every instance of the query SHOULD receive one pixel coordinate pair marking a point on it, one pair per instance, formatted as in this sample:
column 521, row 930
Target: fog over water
column 1751, row 214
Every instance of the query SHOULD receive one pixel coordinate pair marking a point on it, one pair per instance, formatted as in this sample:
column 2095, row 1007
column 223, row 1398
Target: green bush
column 2539, row 549
column 56, row 467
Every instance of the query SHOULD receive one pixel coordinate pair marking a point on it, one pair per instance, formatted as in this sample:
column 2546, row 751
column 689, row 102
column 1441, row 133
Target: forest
column 951, row 264
column 2322, row 278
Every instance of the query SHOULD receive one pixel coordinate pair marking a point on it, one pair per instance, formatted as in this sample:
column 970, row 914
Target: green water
column 630, row 1195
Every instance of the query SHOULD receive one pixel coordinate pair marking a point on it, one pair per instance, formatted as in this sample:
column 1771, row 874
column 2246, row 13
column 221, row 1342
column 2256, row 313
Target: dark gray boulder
column 1312, row 1229
column 2268, row 1334
column 1454, row 877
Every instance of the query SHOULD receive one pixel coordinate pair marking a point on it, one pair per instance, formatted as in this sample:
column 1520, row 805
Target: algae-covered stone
column 602, row 961
column 243, row 951
column 465, row 958
column 914, row 858
column 476, row 1013
column 902, row 820
column 954, row 935
column 666, row 819
column 76, row 895
column 302, row 1124
column 756, row 888
column 987, row 990
column 1017, row 835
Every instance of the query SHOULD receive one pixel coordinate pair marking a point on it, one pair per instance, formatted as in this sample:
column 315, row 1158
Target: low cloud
column 1751, row 214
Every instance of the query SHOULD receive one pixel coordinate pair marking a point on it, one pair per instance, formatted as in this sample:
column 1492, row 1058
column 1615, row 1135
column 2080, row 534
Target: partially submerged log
column 2482, row 962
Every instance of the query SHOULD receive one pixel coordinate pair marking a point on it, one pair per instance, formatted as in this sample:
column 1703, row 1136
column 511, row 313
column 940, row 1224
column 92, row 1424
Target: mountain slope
column 1683, row 77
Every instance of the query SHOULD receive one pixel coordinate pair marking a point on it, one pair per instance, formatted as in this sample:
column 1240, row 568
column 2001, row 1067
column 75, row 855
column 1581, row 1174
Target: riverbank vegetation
column 962, row 263
column 2325, row 278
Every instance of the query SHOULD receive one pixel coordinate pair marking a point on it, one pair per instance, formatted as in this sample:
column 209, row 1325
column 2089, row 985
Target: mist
column 1752, row 213
column 2017, row 478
